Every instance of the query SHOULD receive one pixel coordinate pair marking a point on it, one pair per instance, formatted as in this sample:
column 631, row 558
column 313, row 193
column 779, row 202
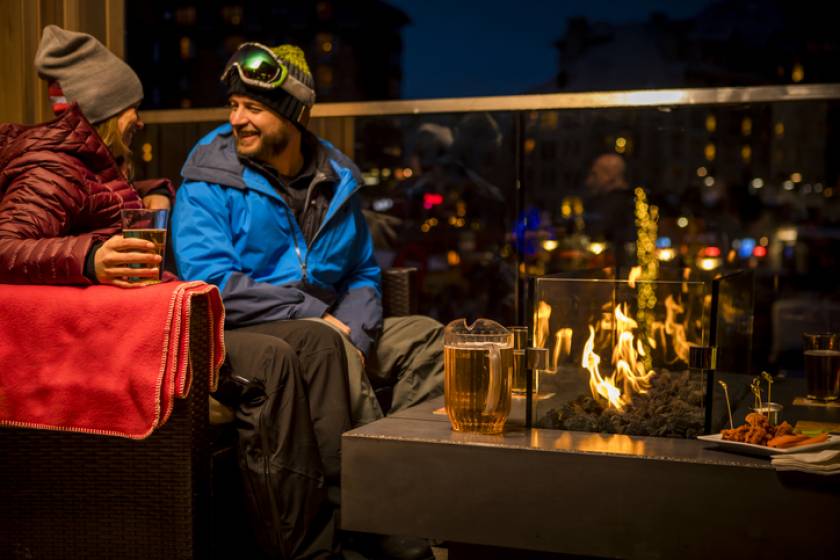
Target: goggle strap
column 291, row 85
column 298, row 90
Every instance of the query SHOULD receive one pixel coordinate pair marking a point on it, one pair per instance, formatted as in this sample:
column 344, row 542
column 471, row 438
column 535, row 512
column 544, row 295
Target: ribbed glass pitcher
column 478, row 365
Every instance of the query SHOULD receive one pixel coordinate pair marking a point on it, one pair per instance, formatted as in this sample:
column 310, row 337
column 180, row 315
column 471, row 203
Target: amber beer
column 822, row 372
column 477, row 385
column 156, row 236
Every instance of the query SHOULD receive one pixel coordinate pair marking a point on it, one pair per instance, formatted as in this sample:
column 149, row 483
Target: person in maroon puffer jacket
column 62, row 186
column 64, row 182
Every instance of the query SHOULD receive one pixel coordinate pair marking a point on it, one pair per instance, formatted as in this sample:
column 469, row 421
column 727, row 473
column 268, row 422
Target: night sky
column 460, row 48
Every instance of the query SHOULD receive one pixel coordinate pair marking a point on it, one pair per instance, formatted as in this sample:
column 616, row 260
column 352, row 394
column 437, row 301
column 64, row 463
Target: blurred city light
column 709, row 263
column 432, row 199
column 666, row 254
column 787, row 234
column 746, row 126
column 620, row 144
column 757, row 183
column 682, row 221
column 383, row 204
column 746, row 247
column 597, row 248
column 746, row 153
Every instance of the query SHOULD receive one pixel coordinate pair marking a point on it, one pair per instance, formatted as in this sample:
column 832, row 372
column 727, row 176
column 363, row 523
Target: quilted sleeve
column 37, row 242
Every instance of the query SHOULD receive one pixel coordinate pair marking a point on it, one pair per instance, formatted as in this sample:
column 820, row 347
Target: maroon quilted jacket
column 60, row 193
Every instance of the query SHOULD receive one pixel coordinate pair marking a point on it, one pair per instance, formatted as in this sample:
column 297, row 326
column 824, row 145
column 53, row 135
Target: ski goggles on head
column 259, row 67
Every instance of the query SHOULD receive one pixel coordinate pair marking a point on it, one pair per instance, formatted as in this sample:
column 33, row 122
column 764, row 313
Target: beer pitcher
column 478, row 373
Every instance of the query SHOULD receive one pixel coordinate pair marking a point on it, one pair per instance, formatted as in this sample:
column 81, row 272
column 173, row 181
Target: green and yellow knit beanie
column 279, row 100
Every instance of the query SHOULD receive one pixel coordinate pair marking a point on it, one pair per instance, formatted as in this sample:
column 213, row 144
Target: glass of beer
column 478, row 372
column 151, row 226
column 822, row 365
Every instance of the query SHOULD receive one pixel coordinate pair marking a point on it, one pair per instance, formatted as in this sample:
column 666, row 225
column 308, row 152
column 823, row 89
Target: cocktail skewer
column 769, row 379
column 756, row 389
column 728, row 406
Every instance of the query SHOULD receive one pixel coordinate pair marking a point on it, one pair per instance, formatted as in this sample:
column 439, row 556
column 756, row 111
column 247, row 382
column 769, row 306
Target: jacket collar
column 214, row 160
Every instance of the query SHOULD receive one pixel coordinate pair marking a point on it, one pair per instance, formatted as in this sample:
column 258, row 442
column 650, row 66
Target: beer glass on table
column 478, row 372
column 151, row 226
column 822, row 365
column 520, row 362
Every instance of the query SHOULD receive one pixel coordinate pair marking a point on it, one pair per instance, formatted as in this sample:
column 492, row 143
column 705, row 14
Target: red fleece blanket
column 101, row 359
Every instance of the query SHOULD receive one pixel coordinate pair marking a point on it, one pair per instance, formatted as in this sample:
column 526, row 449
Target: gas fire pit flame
column 603, row 387
column 628, row 370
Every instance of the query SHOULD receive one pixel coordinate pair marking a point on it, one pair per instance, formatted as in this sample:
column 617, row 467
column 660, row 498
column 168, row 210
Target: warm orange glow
column 672, row 330
column 625, row 357
column 562, row 344
column 600, row 386
column 710, row 152
column 629, row 369
column 635, row 274
column 746, row 126
column 541, row 316
column 746, row 153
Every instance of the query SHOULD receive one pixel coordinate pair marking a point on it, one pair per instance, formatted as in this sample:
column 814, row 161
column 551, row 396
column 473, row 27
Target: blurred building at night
column 179, row 48
column 721, row 167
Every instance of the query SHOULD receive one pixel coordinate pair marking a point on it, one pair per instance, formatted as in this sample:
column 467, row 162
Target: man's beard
column 268, row 146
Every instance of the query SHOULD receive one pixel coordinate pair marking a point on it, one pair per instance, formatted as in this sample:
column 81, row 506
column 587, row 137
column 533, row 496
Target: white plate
column 763, row 450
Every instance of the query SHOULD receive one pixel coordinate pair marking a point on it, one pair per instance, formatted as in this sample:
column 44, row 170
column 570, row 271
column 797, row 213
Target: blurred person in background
column 610, row 208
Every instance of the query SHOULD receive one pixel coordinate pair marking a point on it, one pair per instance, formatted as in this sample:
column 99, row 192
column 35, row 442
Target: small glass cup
column 520, row 364
column 771, row 410
column 822, row 365
column 151, row 226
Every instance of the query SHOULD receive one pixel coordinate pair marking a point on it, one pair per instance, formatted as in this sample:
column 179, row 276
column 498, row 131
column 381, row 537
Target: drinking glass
column 151, row 226
column 822, row 365
column 520, row 364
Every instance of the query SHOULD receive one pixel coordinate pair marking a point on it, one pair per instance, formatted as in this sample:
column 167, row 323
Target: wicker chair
column 173, row 496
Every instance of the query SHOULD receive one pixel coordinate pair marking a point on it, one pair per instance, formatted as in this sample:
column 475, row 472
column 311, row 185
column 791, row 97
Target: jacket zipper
column 303, row 260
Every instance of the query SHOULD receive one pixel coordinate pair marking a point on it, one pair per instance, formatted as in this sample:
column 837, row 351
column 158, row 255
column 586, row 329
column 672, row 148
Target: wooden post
column 24, row 97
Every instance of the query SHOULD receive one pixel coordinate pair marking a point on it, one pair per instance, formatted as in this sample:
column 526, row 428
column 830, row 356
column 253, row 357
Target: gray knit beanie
column 88, row 73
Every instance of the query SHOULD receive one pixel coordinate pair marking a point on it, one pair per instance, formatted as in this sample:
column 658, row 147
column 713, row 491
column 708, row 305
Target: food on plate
column 759, row 431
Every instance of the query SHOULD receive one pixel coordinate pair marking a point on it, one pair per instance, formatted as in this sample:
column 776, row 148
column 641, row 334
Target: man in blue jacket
column 271, row 214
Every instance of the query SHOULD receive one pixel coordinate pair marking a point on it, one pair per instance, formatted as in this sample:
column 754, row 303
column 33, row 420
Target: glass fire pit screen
column 619, row 354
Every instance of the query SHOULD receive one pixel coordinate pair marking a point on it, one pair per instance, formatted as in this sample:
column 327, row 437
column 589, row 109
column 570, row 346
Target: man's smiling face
column 260, row 133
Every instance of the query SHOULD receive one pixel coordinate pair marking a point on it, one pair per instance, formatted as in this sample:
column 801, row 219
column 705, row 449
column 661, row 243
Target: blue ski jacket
column 230, row 227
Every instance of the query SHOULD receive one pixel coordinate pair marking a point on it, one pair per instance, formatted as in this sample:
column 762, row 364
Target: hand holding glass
column 151, row 226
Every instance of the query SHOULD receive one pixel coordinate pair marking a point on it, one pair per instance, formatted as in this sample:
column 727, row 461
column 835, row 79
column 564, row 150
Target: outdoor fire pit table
column 579, row 493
